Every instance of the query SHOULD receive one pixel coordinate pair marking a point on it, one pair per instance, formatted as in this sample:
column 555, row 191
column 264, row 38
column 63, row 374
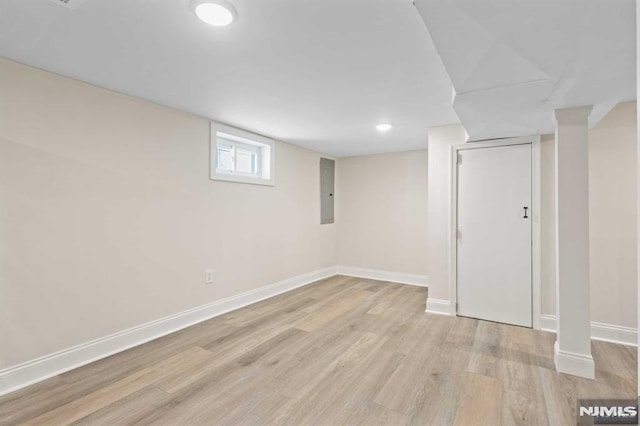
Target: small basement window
column 239, row 156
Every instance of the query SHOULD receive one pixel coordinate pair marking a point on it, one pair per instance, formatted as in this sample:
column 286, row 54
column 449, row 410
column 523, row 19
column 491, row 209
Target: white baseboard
column 575, row 364
column 376, row 274
column 438, row 306
column 19, row 376
column 599, row 331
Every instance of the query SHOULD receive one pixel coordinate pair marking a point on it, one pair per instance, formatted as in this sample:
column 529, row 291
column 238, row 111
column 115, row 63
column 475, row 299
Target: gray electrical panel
column 327, row 180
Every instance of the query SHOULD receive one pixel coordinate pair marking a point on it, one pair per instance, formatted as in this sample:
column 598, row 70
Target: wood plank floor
column 340, row 351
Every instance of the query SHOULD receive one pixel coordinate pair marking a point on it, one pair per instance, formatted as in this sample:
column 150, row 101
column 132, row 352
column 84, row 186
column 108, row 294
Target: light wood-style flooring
column 340, row 351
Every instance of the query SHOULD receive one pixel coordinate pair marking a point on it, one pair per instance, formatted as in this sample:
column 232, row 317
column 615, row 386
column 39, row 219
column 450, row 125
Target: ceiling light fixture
column 383, row 127
column 218, row 13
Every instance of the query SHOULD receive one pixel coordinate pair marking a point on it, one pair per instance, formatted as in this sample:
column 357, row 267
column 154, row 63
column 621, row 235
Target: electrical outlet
column 209, row 276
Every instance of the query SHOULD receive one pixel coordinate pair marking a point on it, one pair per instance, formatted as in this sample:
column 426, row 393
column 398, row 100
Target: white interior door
column 494, row 234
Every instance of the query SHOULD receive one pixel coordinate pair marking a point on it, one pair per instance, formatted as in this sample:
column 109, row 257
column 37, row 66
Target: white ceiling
column 320, row 74
column 512, row 62
column 323, row 73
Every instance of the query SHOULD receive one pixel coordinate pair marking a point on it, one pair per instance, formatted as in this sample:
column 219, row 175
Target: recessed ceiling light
column 383, row 127
column 215, row 12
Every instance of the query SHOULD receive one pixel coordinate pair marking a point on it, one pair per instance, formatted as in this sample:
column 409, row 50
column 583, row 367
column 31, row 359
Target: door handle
column 525, row 212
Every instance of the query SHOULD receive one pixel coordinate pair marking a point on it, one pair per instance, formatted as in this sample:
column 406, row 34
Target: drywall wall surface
column 382, row 212
column 547, row 225
column 441, row 139
column 108, row 218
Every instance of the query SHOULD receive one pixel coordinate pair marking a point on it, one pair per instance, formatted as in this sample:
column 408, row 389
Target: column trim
column 577, row 115
column 572, row 363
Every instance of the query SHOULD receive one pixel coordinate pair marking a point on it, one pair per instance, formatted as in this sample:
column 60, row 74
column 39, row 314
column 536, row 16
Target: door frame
column 536, row 266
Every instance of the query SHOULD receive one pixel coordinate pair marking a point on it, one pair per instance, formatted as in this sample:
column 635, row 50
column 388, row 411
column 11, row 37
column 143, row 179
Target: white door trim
column 535, row 215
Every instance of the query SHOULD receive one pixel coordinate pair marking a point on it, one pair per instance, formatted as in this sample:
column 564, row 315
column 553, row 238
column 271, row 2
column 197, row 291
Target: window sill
column 242, row 179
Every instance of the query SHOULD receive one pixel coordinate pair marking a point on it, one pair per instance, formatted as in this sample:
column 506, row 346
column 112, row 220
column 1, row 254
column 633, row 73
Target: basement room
column 329, row 212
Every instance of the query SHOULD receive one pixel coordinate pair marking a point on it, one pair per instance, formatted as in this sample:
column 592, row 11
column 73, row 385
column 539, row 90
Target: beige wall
column 382, row 210
column 547, row 226
column 441, row 139
column 108, row 218
column 612, row 218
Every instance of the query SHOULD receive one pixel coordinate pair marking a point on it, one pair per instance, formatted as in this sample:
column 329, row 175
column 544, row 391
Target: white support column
column 573, row 339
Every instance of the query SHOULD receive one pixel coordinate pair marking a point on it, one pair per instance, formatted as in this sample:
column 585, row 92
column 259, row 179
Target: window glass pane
column 225, row 160
column 246, row 161
column 238, row 159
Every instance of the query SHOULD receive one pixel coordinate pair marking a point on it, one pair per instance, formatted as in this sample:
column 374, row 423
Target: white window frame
column 262, row 146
